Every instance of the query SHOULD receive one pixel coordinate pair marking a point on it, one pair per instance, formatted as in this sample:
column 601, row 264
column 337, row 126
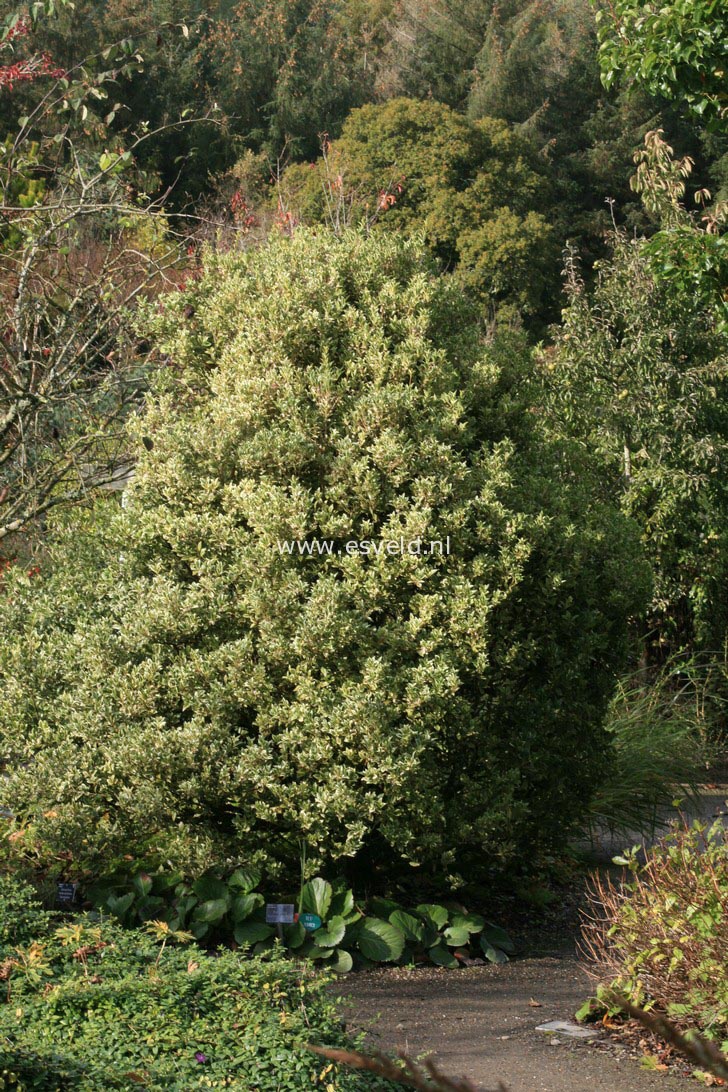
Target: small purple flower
column 200, row 1057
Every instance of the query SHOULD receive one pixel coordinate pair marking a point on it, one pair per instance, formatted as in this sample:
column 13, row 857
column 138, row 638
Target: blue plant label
column 279, row 913
column 310, row 922
column 66, row 892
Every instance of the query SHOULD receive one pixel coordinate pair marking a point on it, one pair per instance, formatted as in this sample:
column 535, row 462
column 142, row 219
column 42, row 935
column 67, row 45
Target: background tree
column 472, row 188
column 80, row 243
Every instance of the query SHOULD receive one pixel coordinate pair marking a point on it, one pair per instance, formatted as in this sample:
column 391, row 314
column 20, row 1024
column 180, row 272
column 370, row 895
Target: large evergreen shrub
column 206, row 696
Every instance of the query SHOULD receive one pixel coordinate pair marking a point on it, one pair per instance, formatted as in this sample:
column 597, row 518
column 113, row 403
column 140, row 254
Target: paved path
column 479, row 1024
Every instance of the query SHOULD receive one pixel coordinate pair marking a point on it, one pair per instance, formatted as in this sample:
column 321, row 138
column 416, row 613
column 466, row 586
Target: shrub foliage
column 661, row 937
column 205, row 694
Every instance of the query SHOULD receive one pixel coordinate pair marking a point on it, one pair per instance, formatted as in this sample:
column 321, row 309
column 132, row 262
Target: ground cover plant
column 177, row 685
column 87, row 1004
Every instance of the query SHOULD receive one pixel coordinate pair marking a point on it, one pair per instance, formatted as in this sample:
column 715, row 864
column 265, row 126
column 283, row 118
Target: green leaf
column 412, row 928
column 457, row 935
column 243, row 906
column 142, row 883
column 442, row 956
column 498, row 937
column 316, row 897
column 211, row 911
column 342, row 905
column 210, row 887
column 438, row 915
column 492, row 954
column 119, row 904
column 294, row 935
column 244, row 879
column 331, row 934
column 379, row 940
column 341, row 961
column 473, row 922
column 251, row 932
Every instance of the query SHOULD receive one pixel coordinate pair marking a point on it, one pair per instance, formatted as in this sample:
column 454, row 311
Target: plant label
column 66, row 892
column 279, row 913
column 310, row 922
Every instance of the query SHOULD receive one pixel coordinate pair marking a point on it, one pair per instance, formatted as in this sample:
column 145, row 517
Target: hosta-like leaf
column 438, row 915
column 379, row 940
column 498, row 937
column 294, row 935
column 119, row 905
column 342, row 905
column 210, row 887
column 212, row 911
column 243, row 906
column 251, row 932
column 316, row 897
column 456, row 935
column 411, row 926
column 245, row 880
column 142, row 883
column 472, row 922
column 341, row 961
column 492, row 954
column 331, row 934
column 442, row 956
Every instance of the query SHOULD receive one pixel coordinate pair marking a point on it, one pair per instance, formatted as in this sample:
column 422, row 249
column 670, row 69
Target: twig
column 426, row 1078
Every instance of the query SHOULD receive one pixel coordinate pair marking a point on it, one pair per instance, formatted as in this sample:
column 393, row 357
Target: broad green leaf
column 244, row 879
column 243, row 906
column 316, row 897
column 498, row 937
column 457, row 935
column 210, row 887
column 250, row 932
column 331, row 934
column 438, row 915
column 119, row 904
column 442, row 956
column 341, row 961
column 411, row 926
column 211, row 911
column 142, row 883
column 492, row 954
column 379, row 940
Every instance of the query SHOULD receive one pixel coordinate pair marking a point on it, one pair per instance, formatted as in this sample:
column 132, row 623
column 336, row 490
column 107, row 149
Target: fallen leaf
column 535, row 1004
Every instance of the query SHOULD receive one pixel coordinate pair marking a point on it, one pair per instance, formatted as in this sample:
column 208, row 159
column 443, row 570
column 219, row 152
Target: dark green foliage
column 637, row 374
column 341, row 934
column 474, row 190
column 210, row 697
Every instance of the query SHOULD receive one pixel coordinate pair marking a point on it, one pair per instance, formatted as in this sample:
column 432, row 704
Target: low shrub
column 329, row 926
column 661, row 937
column 95, row 1007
